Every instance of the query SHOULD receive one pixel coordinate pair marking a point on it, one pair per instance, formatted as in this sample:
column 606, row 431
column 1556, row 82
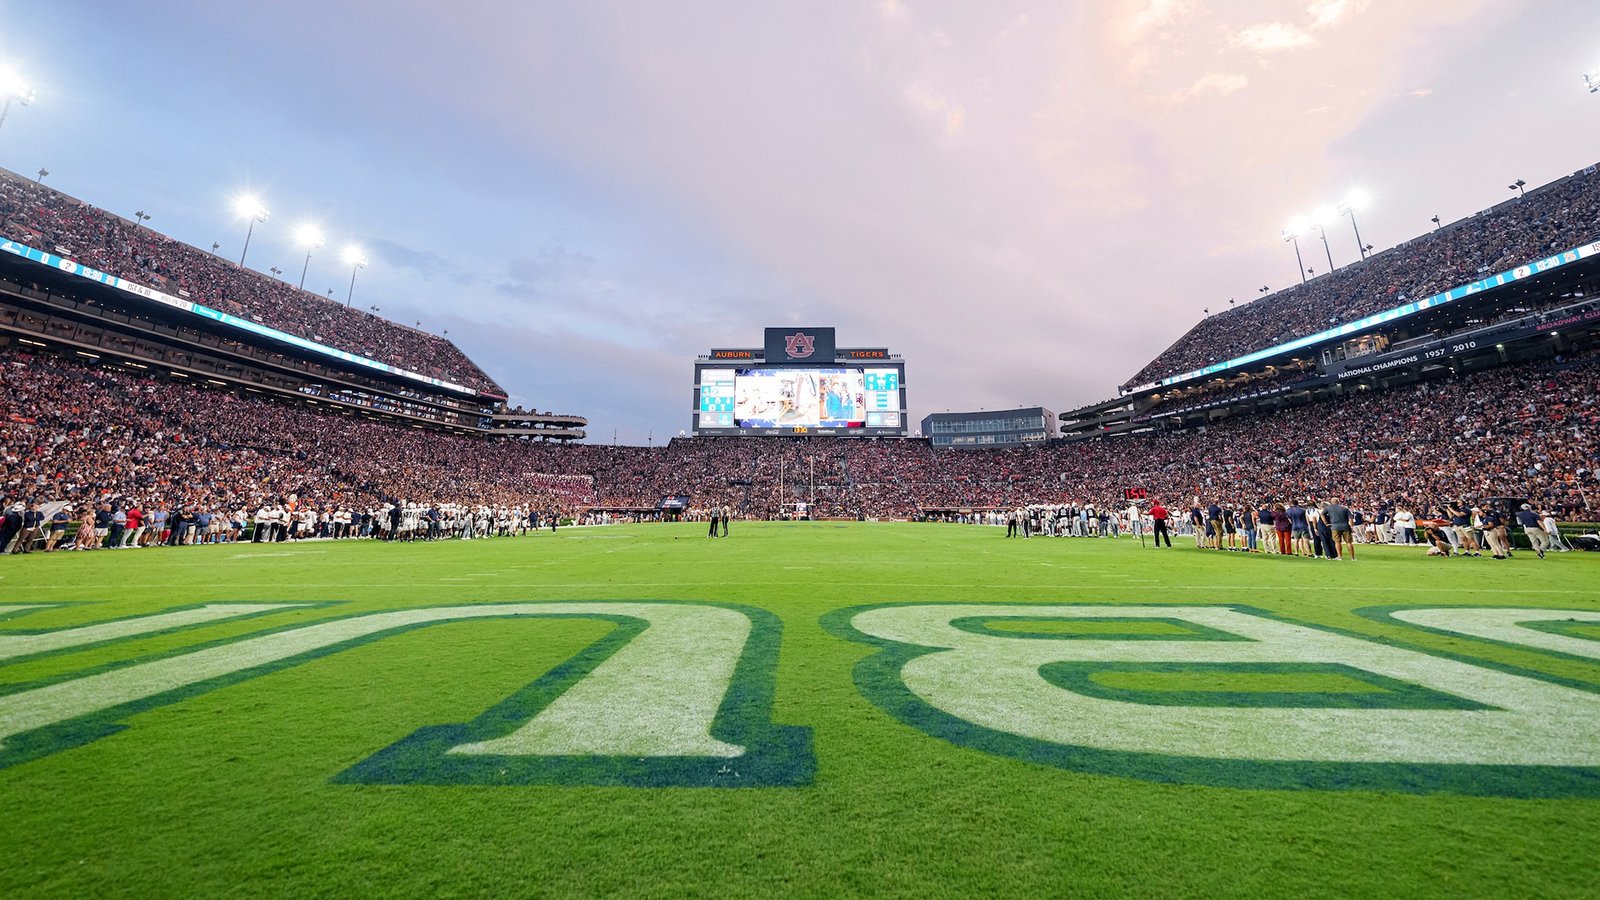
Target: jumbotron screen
column 800, row 400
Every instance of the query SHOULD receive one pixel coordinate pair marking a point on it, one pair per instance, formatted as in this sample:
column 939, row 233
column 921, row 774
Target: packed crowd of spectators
column 101, row 439
column 93, row 436
column 1553, row 218
column 34, row 214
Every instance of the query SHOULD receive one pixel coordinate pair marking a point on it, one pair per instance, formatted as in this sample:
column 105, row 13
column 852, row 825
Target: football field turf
column 817, row 709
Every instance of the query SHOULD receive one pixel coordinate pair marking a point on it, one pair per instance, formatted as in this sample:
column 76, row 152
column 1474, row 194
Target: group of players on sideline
column 1321, row 529
column 1326, row 529
column 127, row 525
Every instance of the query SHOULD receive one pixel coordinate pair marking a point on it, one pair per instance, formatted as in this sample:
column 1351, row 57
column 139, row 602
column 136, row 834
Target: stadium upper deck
column 58, row 224
column 1550, row 219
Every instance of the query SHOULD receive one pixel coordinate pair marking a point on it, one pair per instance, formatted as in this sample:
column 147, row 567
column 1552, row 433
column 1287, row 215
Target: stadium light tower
column 1356, row 199
column 310, row 237
column 15, row 89
column 1291, row 232
column 249, row 206
column 357, row 261
column 139, row 218
column 1324, row 217
column 1517, row 186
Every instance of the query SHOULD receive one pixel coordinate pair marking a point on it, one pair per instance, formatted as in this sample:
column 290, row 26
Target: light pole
column 1436, row 225
column 1517, row 186
column 1323, row 217
column 357, row 261
column 15, row 89
column 1292, row 232
column 276, row 272
column 139, row 218
column 310, row 237
column 251, row 208
column 43, row 174
column 1353, row 201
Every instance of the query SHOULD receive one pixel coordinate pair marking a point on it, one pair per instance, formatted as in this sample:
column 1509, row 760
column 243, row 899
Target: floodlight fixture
column 249, row 206
column 1291, row 233
column 1518, row 187
column 14, row 88
column 308, row 236
column 1356, row 199
column 357, row 259
column 1321, row 218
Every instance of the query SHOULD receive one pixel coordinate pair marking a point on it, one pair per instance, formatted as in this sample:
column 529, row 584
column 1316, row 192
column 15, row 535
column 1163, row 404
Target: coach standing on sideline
column 1158, row 514
column 1337, row 516
column 727, row 513
column 1533, row 528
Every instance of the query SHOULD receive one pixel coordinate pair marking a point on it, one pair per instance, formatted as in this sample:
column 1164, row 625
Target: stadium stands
column 46, row 219
column 1555, row 217
column 88, row 434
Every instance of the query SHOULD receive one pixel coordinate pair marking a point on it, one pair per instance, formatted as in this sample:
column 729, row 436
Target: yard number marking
column 1510, row 626
column 670, row 697
column 15, row 645
column 1448, row 724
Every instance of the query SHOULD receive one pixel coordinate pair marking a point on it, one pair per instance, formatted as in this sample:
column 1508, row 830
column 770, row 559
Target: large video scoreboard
column 800, row 383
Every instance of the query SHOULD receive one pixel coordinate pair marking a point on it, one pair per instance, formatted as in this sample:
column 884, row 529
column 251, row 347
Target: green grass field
column 761, row 734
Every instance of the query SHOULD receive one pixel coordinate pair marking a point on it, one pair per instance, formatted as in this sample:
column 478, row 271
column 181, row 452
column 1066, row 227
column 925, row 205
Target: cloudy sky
column 1028, row 200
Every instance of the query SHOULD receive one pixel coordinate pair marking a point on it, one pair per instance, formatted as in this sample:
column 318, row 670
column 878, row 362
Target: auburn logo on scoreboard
column 800, row 345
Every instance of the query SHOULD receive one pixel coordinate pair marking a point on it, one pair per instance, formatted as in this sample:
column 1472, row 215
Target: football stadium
column 302, row 595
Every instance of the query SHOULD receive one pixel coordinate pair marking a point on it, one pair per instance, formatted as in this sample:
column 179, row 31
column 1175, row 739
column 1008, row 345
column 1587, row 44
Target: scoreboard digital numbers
column 799, row 384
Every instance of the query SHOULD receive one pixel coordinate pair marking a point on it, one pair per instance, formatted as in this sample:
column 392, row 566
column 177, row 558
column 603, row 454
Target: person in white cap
column 1533, row 529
